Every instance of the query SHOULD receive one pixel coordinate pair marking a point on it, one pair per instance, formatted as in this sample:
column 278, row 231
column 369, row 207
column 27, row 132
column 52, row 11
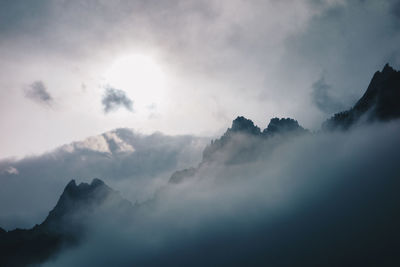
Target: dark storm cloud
column 38, row 92
column 113, row 99
column 322, row 98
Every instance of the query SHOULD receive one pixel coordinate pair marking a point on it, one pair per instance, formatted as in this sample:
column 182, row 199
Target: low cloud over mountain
column 133, row 163
column 308, row 200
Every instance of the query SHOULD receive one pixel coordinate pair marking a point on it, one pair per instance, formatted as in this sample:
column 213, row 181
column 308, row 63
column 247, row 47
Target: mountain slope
column 245, row 127
column 119, row 157
column 64, row 226
column 242, row 142
column 381, row 101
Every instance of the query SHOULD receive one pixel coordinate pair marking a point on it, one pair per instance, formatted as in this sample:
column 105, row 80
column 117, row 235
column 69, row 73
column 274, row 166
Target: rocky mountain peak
column 283, row 125
column 379, row 102
column 243, row 125
column 387, row 69
column 85, row 190
column 80, row 197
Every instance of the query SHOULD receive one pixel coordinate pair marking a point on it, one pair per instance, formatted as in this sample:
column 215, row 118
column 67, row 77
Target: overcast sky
column 72, row 69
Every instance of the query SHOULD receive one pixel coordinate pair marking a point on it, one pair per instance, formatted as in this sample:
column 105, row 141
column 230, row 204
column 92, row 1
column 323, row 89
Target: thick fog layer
column 322, row 197
column 30, row 187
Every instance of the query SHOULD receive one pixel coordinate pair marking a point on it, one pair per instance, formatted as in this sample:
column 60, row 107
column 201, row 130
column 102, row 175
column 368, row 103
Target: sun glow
column 141, row 77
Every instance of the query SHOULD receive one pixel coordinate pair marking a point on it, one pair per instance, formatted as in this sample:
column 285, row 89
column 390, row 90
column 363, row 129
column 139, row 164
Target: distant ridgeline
column 242, row 142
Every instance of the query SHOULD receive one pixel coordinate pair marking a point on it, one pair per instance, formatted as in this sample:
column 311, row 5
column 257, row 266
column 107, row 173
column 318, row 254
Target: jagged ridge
column 63, row 227
column 241, row 125
column 240, row 150
column 379, row 102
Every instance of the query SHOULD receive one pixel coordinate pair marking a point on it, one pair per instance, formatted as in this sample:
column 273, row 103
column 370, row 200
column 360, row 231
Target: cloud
column 348, row 42
column 308, row 200
column 38, row 92
column 245, row 59
column 135, row 164
column 322, row 98
column 113, row 99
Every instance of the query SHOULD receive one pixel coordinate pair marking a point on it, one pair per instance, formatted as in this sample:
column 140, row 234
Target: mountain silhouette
column 241, row 143
column 380, row 102
column 283, row 126
column 64, row 226
column 242, row 126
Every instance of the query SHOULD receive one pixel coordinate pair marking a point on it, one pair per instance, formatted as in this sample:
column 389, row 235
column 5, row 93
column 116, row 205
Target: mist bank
column 29, row 187
column 317, row 199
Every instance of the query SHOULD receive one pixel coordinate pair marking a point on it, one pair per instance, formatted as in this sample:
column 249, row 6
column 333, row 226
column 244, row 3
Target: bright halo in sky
column 141, row 77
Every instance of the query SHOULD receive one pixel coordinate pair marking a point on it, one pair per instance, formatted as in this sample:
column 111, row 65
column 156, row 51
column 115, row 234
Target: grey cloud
column 349, row 42
column 323, row 99
column 132, row 163
column 20, row 16
column 38, row 92
column 247, row 43
column 114, row 99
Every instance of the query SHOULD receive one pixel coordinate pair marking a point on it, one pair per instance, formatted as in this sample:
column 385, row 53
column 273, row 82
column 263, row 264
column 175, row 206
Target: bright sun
column 141, row 77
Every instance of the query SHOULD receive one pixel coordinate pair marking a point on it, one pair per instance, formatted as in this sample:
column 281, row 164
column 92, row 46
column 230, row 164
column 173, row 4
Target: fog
column 319, row 198
column 31, row 186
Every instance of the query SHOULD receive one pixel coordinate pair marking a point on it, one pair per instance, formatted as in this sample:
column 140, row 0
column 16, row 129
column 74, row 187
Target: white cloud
column 121, row 145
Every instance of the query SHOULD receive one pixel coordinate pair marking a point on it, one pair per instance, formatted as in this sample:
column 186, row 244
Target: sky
column 73, row 69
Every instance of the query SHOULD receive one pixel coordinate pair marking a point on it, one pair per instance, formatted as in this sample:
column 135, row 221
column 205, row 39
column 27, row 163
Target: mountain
column 64, row 226
column 245, row 127
column 242, row 142
column 283, row 126
column 379, row 102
